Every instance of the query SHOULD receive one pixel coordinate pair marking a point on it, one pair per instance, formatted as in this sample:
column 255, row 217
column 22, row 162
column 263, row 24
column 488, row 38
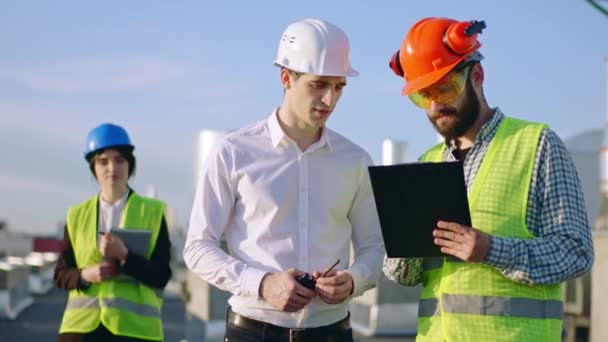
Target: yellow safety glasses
column 445, row 91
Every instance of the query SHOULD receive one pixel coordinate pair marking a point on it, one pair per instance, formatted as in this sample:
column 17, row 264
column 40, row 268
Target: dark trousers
column 264, row 332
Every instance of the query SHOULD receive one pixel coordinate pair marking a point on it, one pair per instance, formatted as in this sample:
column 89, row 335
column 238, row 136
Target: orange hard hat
column 432, row 48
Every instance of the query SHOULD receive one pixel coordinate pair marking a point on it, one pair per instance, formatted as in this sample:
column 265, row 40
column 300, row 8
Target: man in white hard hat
column 290, row 195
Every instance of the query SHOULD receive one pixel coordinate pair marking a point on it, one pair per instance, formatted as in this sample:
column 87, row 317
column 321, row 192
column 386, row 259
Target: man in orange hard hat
column 530, row 230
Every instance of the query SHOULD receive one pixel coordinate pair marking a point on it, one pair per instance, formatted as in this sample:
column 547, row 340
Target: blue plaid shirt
column 556, row 216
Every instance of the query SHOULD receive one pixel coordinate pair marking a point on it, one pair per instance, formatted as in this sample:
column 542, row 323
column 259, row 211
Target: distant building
column 585, row 151
column 46, row 244
column 13, row 245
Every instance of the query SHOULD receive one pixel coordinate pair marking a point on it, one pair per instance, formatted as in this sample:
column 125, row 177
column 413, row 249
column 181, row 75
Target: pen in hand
column 329, row 269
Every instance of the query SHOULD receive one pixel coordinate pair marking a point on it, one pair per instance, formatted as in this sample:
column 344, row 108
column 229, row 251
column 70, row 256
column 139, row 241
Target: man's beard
column 462, row 120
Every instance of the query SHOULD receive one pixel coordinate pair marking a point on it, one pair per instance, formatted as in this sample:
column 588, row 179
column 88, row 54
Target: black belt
column 288, row 333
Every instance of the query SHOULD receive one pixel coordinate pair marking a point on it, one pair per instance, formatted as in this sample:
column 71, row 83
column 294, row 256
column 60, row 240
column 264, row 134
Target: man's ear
column 477, row 75
column 286, row 78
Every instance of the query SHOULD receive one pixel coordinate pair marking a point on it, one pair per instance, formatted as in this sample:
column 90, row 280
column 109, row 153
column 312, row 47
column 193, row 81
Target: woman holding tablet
column 101, row 306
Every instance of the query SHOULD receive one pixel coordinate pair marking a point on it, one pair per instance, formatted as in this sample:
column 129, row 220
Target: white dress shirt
column 281, row 208
column 110, row 214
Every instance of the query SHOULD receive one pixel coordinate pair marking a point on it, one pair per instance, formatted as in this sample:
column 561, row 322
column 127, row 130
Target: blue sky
column 166, row 70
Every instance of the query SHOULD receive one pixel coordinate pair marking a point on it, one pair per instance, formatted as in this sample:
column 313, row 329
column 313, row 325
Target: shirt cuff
column 412, row 271
column 358, row 282
column 250, row 283
column 499, row 254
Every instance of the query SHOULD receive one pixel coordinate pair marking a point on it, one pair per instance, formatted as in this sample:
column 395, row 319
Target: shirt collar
column 117, row 204
column 277, row 134
column 274, row 128
column 488, row 129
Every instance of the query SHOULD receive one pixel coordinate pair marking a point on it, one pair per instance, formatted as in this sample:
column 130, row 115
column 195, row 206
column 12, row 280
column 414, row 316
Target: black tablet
column 411, row 198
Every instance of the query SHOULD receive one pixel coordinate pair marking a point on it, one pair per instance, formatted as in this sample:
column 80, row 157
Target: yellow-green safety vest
column 125, row 307
column 464, row 301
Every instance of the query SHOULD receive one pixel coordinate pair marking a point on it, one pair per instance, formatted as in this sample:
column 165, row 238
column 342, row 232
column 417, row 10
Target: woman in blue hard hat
column 102, row 306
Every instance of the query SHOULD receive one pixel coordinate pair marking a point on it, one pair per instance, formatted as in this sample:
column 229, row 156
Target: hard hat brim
column 429, row 79
column 350, row 73
column 90, row 154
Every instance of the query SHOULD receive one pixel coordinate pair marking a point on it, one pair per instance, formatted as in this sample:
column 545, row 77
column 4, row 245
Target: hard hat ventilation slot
column 289, row 39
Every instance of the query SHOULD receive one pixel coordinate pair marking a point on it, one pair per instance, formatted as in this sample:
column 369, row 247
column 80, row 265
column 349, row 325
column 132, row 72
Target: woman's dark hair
column 125, row 151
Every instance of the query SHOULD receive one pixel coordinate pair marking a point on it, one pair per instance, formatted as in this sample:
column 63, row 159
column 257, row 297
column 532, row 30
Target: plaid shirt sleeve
column 556, row 216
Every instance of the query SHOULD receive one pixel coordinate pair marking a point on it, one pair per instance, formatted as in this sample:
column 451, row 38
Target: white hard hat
column 315, row 46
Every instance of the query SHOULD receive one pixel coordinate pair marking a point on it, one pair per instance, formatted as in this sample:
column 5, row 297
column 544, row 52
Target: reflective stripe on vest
column 124, row 304
column 118, row 303
column 492, row 306
column 82, row 303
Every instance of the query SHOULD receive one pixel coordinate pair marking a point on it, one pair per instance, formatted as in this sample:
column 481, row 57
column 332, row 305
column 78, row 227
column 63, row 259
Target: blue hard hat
column 105, row 136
